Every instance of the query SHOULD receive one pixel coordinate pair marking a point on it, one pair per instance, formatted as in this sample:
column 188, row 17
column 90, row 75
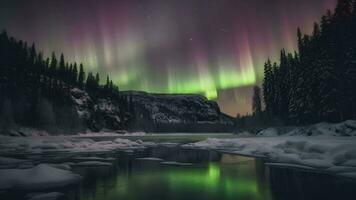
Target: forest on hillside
column 316, row 83
column 35, row 91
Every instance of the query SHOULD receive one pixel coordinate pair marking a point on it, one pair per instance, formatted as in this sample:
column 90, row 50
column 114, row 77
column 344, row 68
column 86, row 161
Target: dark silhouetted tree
column 81, row 76
column 256, row 101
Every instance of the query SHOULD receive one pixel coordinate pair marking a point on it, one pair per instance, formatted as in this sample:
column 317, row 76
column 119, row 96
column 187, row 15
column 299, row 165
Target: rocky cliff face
column 151, row 112
column 99, row 114
column 176, row 112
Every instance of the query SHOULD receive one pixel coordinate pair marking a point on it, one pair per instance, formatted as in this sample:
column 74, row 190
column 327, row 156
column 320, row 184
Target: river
column 203, row 174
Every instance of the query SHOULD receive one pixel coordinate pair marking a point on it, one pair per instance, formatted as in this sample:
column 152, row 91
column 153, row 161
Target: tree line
column 317, row 83
column 35, row 91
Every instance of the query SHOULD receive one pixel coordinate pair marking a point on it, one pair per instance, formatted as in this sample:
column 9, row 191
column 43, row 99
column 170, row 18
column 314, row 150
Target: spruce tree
column 61, row 70
column 267, row 87
column 81, row 76
column 32, row 58
column 256, row 101
column 97, row 80
column 75, row 74
column 53, row 66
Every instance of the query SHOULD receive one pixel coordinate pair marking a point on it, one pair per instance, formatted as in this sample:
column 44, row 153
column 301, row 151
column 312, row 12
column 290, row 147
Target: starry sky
column 212, row 47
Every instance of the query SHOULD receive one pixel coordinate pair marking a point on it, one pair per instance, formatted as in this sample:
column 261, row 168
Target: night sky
column 213, row 47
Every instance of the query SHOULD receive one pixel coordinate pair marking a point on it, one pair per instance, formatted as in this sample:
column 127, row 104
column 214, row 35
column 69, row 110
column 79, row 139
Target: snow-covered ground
column 63, row 143
column 46, row 162
column 330, row 147
column 37, row 178
column 46, row 196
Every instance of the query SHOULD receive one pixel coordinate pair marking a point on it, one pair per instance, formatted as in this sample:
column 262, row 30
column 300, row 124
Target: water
column 212, row 175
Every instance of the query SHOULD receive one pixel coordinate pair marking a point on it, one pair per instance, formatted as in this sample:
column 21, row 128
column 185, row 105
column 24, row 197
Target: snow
column 268, row 132
column 64, row 143
column 149, row 159
column 82, row 100
column 27, row 131
column 346, row 128
column 284, row 165
column 10, row 161
column 92, row 158
column 135, row 134
column 98, row 134
column 110, row 134
column 173, row 163
column 320, row 152
column 64, row 166
column 93, row 163
column 350, row 163
column 46, row 196
column 37, row 178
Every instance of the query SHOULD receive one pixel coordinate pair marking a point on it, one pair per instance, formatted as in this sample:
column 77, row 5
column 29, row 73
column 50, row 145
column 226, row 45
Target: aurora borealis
column 213, row 47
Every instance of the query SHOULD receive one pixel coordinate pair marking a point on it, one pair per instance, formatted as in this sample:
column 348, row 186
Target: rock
column 141, row 111
column 176, row 112
column 99, row 114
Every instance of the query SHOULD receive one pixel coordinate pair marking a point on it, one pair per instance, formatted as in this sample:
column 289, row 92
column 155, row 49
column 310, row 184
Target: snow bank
column 149, row 159
column 317, row 152
column 98, row 134
column 110, row 134
column 92, row 158
column 92, row 163
column 38, row 178
column 268, row 132
column 47, row 196
column 10, row 161
column 135, row 134
column 57, row 143
column 64, row 166
column 173, row 163
column 346, row 128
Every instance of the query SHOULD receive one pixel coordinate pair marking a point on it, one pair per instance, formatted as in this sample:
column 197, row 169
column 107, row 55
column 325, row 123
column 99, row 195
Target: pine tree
column 275, row 89
column 267, row 87
column 90, row 82
column 97, row 80
column 33, row 54
column 283, row 82
column 300, row 42
column 61, row 70
column 81, row 76
column 53, row 66
column 327, row 90
column 75, row 75
column 47, row 67
column 256, row 101
column 107, row 81
column 350, row 82
column 293, row 93
column 40, row 65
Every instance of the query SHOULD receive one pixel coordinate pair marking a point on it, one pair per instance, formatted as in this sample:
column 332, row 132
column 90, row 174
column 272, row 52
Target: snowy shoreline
column 26, row 161
column 325, row 147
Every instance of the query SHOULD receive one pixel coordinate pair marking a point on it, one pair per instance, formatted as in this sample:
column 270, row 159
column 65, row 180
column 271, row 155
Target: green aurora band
column 209, row 47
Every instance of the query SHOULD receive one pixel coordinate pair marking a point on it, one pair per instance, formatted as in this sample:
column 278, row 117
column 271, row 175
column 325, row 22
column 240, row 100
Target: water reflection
column 299, row 184
column 212, row 175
